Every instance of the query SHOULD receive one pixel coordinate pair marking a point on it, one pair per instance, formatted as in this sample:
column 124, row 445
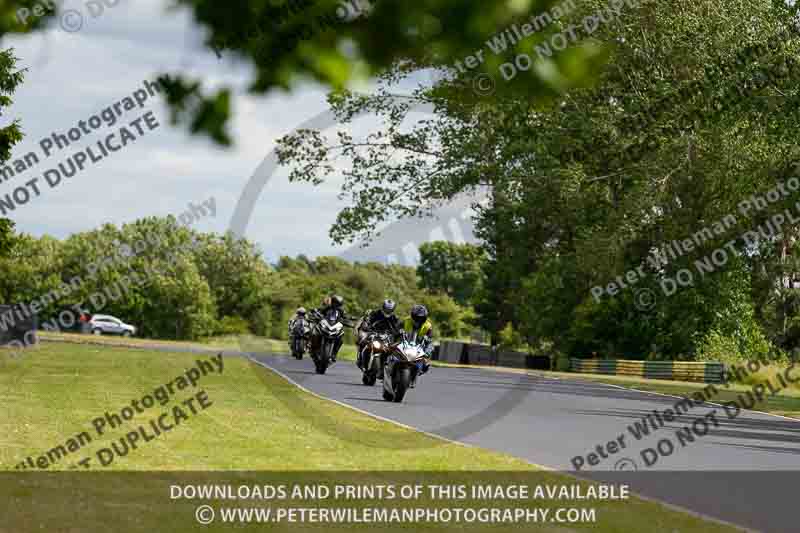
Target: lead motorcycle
column 300, row 336
column 328, row 330
column 403, row 365
column 369, row 358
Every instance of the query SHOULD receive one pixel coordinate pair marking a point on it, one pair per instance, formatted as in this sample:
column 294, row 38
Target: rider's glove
column 423, row 366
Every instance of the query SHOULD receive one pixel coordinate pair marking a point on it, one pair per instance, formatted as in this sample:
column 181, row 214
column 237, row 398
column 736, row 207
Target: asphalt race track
column 742, row 469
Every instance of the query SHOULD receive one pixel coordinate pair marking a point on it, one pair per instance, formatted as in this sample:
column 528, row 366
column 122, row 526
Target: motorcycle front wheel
column 371, row 374
column 298, row 349
column 402, row 381
column 323, row 360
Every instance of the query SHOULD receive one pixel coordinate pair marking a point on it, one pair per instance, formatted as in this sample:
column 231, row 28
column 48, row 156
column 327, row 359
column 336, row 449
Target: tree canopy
column 189, row 285
column 452, row 269
column 696, row 111
column 337, row 41
column 595, row 157
column 10, row 134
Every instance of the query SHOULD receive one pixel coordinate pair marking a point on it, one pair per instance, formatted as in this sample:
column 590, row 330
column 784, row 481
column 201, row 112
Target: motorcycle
column 369, row 358
column 328, row 330
column 299, row 337
column 402, row 366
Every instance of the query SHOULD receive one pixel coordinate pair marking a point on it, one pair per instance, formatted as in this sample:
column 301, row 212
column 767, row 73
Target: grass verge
column 133, row 342
column 785, row 403
column 256, row 421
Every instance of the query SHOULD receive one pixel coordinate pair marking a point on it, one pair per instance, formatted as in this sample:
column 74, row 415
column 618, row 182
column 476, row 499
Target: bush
column 511, row 339
column 262, row 321
column 718, row 347
column 231, row 325
column 747, row 344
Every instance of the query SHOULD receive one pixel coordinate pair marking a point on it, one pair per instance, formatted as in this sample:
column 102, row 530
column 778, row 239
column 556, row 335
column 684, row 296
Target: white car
column 100, row 324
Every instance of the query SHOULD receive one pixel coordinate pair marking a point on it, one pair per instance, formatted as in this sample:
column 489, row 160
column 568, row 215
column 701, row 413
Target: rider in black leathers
column 381, row 320
column 334, row 304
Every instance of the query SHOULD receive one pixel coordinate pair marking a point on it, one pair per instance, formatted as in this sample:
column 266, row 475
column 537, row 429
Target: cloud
column 72, row 76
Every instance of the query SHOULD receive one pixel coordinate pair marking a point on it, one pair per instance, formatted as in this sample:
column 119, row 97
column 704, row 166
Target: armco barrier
column 704, row 372
column 450, row 351
column 512, row 359
column 482, row 354
column 538, row 362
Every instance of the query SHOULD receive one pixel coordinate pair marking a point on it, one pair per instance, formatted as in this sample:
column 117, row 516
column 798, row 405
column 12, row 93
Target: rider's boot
column 360, row 357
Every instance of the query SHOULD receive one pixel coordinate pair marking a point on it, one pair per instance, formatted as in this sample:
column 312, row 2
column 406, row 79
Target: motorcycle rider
column 300, row 314
column 419, row 326
column 335, row 304
column 381, row 320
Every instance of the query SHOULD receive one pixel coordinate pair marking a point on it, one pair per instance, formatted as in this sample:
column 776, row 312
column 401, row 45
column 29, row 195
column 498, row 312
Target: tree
column 7, row 239
column 671, row 138
column 449, row 319
column 10, row 79
column 236, row 274
column 454, row 269
column 335, row 41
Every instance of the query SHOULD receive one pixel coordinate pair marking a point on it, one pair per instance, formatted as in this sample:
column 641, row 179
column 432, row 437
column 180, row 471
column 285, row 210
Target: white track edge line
column 668, row 505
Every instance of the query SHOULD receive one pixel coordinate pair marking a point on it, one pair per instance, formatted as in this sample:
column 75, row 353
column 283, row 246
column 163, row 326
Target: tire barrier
column 17, row 328
column 702, row 372
column 481, row 354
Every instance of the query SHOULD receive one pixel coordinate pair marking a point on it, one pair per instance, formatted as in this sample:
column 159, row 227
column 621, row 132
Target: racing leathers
column 333, row 313
column 423, row 333
column 376, row 322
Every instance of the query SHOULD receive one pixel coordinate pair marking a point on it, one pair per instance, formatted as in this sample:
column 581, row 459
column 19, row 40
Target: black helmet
column 419, row 314
column 337, row 301
column 301, row 311
column 388, row 308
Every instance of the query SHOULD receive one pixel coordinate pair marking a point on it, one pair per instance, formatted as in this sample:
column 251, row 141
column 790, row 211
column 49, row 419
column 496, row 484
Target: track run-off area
column 740, row 467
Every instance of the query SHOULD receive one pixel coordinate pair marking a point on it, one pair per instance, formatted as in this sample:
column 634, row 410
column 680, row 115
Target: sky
column 74, row 75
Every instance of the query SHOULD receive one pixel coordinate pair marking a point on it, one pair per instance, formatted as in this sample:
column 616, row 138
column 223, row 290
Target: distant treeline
column 201, row 285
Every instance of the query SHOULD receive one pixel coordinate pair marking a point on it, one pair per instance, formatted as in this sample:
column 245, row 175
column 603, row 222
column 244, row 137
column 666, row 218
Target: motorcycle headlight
column 376, row 345
column 412, row 353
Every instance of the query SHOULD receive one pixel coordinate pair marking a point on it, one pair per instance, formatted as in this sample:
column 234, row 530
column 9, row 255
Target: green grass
column 786, row 403
column 248, row 343
column 115, row 340
column 57, row 389
column 257, row 422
